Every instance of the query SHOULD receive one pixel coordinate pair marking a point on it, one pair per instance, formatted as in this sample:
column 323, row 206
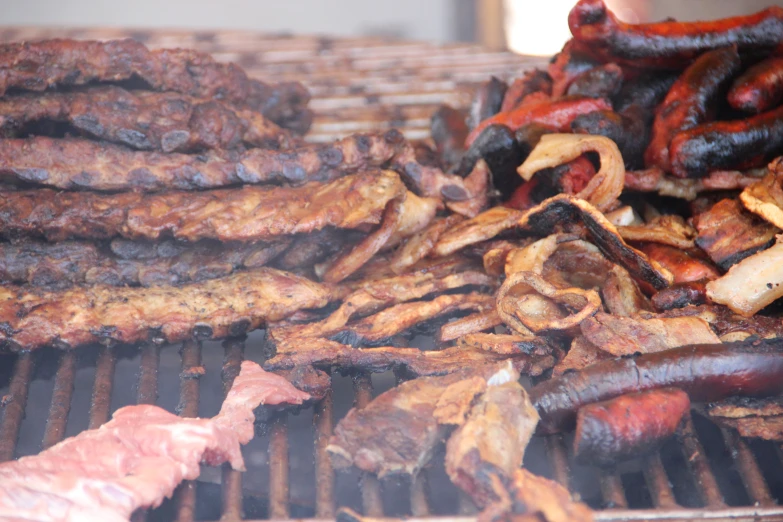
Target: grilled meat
column 487, row 101
column 729, row 234
column 628, row 426
column 573, row 60
column 138, row 458
column 398, row 431
column 448, row 130
column 603, row 81
column 756, row 418
column 705, row 372
column 233, row 305
column 37, row 66
column 128, row 262
column 581, row 355
column 760, row 88
column 680, row 295
column 532, row 81
column 491, row 443
column 764, row 197
column 685, row 267
column 245, row 214
column 144, row 120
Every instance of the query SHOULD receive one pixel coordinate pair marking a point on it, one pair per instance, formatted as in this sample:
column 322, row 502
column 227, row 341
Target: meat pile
column 608, row 226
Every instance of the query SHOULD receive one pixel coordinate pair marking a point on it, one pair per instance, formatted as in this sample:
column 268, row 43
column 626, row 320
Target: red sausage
column 628, row 426
column 760, row 88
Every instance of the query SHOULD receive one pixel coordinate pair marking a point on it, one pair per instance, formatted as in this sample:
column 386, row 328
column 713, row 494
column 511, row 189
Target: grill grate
column 357, row 85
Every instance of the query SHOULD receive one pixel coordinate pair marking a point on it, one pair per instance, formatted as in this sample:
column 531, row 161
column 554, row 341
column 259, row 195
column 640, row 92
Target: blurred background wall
column 533, row 26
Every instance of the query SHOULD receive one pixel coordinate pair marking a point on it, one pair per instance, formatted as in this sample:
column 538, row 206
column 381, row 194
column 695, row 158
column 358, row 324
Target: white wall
column 415, row 19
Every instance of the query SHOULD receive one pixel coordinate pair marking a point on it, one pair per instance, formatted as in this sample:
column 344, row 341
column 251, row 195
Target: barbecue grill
column 357, row 85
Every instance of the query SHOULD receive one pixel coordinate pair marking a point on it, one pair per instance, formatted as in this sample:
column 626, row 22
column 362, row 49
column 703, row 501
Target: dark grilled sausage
column 760, row 88
column 604, row 81
column 487, row 101
column 532, row 81
column 628, row 426
column 706, row 372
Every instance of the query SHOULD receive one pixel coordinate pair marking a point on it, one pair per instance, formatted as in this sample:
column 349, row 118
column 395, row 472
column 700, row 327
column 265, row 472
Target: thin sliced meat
column 581, row 355
column 480, row 228
column 753, row 418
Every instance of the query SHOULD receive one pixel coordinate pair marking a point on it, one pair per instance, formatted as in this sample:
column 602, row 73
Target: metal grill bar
column 658, row 482
column 748, row 469
column 278, row 468
column 61, row 400
column 323, row 422
column 188, row 407
column 369, row 483
column 148, row 374
column 700, row 466
column 419, row 503
column 612, row 490
column 231, row 479
column 15, row 403
column 558, row 456
column 101, row 392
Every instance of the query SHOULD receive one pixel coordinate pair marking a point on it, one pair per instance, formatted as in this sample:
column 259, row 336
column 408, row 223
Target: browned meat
column 373, row 296
column 629, row 335
column 573, row 60
column 246, row 214
column 684, row 266
column 322, row 353
column 487, row 101
column 398, row 431
column 729, row 234
column 127, row 262
column 491, row 443
column 76, row 163
column 144, row 120
column 37, row 66
column 628, row 426
column 603, row 81
column 531, row 81
column 482, row 227
column 232, row 305
column 765, row 197
column 729, row 325
column 760, row 88
column 669, row 230
column 309, row 249
column 705, row 372
column 506, row 344
column 468, row 325
column 138, row 458
column 756, row 418
column 654, row 180
column 680, row 295
column 312, row 381
column 422, row 244
column 581, row 355
column 621, row 294
column 540, row 498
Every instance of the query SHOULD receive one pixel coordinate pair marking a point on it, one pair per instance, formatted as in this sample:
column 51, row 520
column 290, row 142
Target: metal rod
column 419, row 504
column 699, row 466
column 148, row 374
column 61, row 400
column 14, row 404
column 748, row 468
column 369, row 483
column 658, row 482
column 612, row 490
column 323, row 422
column 558, row 455
column 188, row 407
column 278, row 468
column 101, row 391
column 232, row 479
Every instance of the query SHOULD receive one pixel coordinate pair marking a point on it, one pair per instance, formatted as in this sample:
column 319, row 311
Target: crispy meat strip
column 232, row 305
column 765, row 197
column 491, row 443
column 137, row 459
column 666, row 230
column 669, row 44
column 581, row 355
column 506, row 344
column 562, row 210
column 756, row 418
column 729, row 326
column 420, row 245
column 621, row 294
column 471, row 324
column 373, row 296
column 399, row 430
column 243, row 214
column 38, row 66
column 654, row 180
column 76, row 163
column 686, row 266
column 322, row 353
column 629, row 335
column 126, row 262
column 729, row 234
column 485, row 226
column 144, row 120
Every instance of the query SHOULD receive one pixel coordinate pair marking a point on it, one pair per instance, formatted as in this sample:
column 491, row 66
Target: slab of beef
column 138, row 458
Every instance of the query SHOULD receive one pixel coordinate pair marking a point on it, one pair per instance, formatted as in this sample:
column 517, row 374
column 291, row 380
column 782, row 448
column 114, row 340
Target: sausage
column 554, row 113
column 497, row 145
column 690, row 101
column 669, row 44
column 727, row 145
column 487, row 101
column 629, row 130
column 604, row 81
column 646, row 90
column 573, row 60
column 707, row 372
column 628, row 426
column 532, row 81
column 760, row 88
column 448, row 130
column 680, row 295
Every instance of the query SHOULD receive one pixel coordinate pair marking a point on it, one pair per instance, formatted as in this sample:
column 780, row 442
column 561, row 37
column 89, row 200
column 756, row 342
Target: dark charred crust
column 393, row 137
column 454, row 193
column 239, row 328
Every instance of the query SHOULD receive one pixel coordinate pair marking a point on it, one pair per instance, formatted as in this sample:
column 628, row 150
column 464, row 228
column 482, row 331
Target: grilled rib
column 246, row 214
column 32, row 318
column 143, row 120
column 124, row 262
column 37, row 66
